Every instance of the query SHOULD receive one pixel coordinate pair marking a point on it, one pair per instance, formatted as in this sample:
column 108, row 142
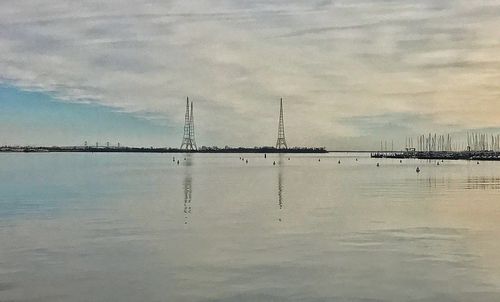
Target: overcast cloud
column 341, row 66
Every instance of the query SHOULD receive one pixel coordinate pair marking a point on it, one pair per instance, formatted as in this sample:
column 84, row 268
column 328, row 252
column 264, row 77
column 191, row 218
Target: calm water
column 135, row 227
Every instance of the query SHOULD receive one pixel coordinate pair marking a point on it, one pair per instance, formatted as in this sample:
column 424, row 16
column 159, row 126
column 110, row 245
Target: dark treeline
column 161, row 150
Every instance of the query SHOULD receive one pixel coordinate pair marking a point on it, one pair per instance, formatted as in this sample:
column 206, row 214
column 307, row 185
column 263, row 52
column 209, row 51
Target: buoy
column 418, row 170
column 319, row 159
column 438, row 163
column 339, row 162
column 378, row 165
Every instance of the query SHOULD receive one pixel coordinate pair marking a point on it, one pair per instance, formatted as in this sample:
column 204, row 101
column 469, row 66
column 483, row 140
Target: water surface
column 139, row 227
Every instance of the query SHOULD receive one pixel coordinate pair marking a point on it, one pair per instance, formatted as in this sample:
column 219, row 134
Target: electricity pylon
column 281, row 142
column 188, row 142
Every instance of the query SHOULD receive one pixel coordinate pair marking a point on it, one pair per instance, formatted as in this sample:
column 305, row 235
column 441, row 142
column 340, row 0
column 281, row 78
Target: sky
column 350, row 72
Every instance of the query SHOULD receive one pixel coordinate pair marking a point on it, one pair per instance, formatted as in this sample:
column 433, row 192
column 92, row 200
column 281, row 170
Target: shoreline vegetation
column 105, row 149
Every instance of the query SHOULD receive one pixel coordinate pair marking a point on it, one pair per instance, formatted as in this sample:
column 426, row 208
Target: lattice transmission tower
column 191, row 129
column 188, row 142
column 281, row 142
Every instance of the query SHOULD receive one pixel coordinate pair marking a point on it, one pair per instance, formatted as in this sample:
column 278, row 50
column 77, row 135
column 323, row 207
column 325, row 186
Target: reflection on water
column 187, row 183
column 187, row 197
column 434, row 182
column 280, row 185
column 104, row 227
column 469, row 183
column 483, row 183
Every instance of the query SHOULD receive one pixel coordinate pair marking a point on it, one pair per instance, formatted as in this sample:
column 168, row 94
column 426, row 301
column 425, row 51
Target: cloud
column 330, row 60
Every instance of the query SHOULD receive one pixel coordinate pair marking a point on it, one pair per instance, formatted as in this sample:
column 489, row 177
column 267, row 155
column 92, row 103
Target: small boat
column 378, row 165
column 418, row 170
column 339, row 162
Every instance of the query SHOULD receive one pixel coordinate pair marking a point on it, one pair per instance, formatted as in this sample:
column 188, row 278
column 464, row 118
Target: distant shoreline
column 156, row 150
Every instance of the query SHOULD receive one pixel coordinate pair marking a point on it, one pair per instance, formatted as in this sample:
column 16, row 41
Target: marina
column 470, row 146
column 440, row 155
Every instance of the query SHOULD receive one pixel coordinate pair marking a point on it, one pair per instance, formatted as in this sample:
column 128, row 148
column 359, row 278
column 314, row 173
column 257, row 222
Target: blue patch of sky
column 30, row 117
